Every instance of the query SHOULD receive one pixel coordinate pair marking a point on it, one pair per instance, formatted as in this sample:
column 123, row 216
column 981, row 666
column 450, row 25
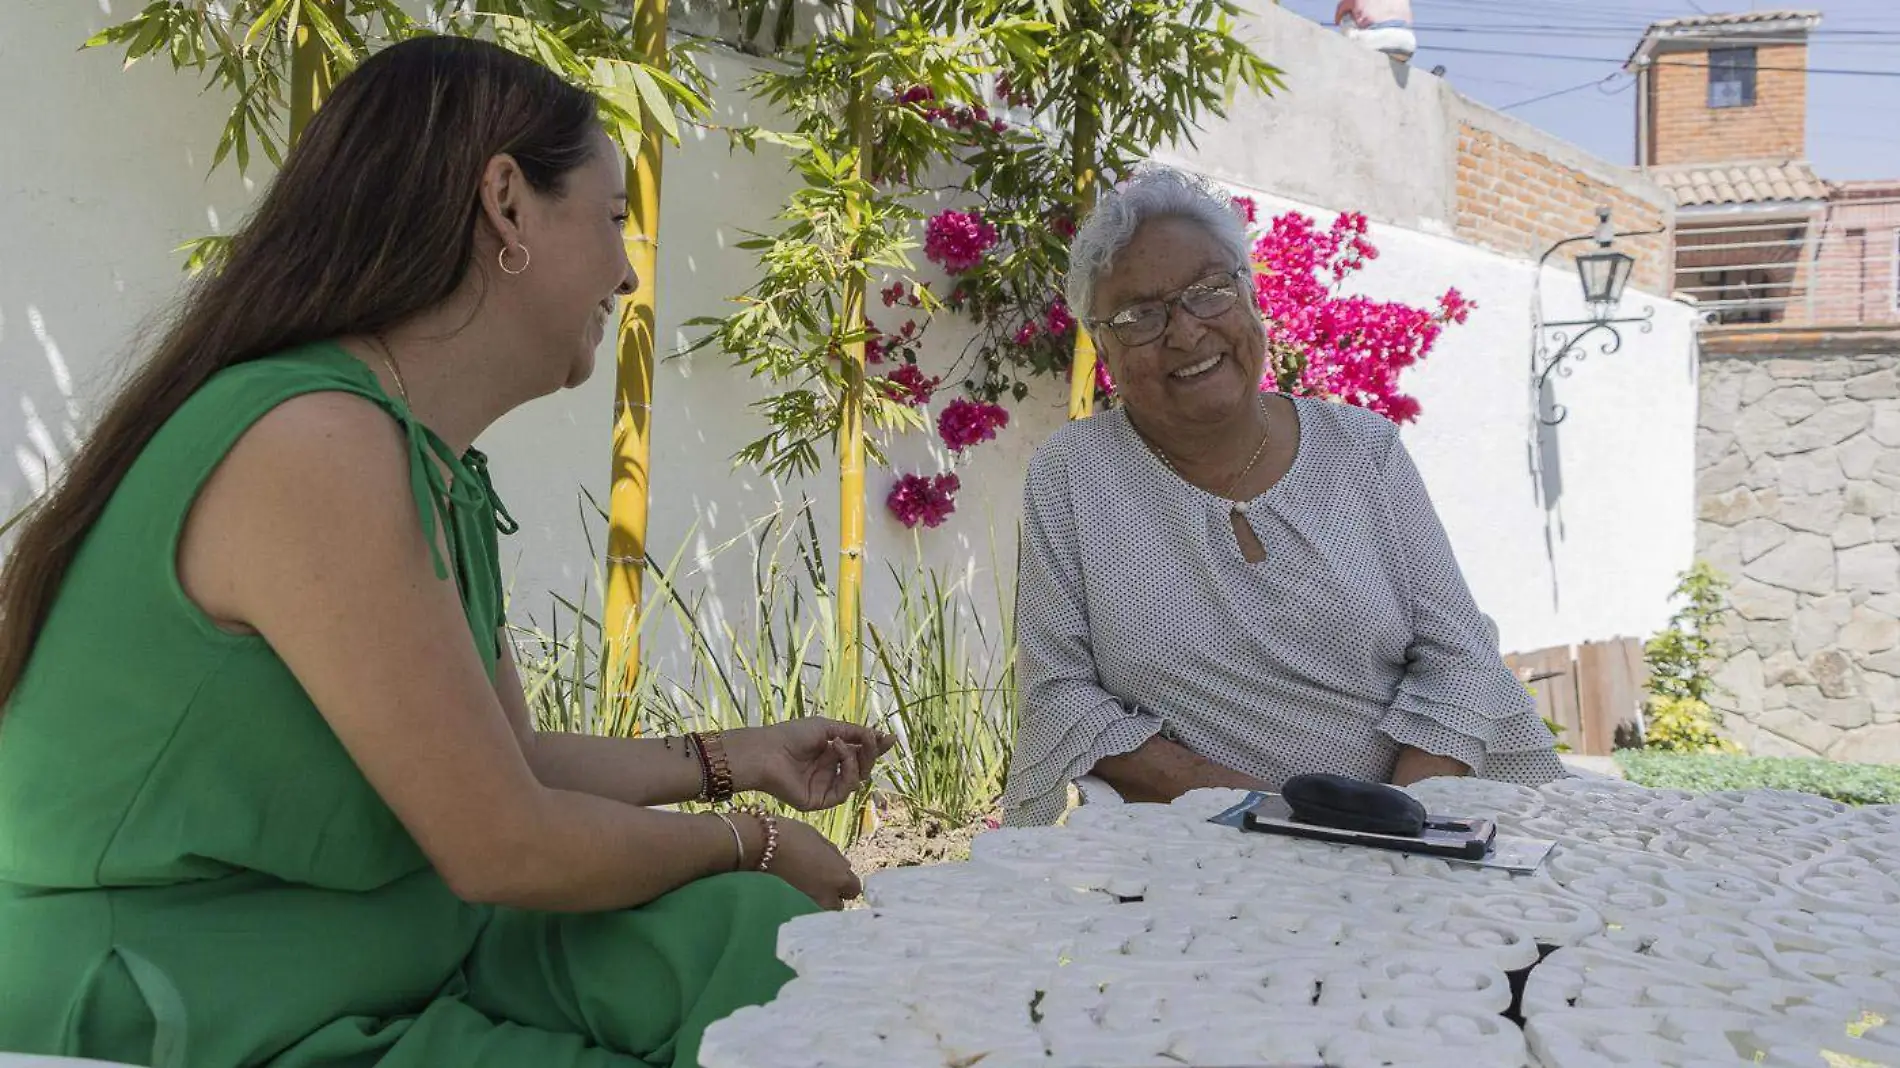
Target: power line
column 1659, row 63
column 1596, row 83
column 1853, row 37
column 1607, row 13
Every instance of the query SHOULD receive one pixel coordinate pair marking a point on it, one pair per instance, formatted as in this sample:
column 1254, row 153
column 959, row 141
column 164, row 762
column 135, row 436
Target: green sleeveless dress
column 194, row 873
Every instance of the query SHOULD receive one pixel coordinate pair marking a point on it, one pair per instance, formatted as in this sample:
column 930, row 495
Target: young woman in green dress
column 270, row 793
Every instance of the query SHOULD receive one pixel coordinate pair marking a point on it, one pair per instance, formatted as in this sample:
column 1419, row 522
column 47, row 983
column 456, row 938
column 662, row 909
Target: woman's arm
column 1458, row 703
column 784, row 760
column 1162, row 770
column 1416, row 765
column 331, row 568
column 638, row 771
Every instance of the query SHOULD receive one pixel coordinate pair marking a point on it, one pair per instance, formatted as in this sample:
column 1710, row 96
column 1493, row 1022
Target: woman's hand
column 810, row 763
column 809, row 861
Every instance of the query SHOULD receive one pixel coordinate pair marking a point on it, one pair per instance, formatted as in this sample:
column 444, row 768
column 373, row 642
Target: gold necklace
column 1238, row 507
column 402, row 389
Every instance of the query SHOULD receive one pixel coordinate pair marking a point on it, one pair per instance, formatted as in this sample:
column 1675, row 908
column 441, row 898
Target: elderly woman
column 1224, row 587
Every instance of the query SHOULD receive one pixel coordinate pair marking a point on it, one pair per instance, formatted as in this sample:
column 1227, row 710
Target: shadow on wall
column 41, row 429
column 1544, row 455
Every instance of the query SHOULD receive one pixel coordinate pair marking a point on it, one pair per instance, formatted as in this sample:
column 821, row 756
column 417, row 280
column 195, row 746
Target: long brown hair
column 371, row 221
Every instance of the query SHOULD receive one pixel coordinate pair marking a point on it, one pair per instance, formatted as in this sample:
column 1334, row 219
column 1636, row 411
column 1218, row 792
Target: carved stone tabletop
column 1666, row 929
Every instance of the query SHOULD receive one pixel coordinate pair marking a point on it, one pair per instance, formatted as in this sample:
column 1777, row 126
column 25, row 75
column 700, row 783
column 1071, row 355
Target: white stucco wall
column 102, row 174
column 105, row 175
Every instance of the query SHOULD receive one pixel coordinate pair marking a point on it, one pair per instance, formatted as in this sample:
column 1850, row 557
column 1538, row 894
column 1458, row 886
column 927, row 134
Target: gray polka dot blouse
column 1136, row 613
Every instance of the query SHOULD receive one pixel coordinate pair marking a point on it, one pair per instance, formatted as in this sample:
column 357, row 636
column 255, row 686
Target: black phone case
column 1457, row 839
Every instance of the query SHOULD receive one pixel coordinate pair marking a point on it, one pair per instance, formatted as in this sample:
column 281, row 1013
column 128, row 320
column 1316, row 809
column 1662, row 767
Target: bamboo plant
column 802, row 326
column 630, row 481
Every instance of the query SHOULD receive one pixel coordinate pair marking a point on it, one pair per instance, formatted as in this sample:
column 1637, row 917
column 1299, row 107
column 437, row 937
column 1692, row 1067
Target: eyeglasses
column 1144, row 321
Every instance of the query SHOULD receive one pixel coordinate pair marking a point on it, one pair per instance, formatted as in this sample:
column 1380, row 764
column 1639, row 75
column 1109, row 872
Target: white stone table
column 1674, row 930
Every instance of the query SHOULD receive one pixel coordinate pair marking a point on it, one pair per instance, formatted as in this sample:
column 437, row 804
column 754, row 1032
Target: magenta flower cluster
column 908, row 385
column 923, row 499
column 1057, row 320
column 965, row 422
column 957, row 240
column 1354, row 347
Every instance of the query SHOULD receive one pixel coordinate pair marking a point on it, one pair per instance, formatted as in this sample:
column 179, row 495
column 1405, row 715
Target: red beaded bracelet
column 770, row 823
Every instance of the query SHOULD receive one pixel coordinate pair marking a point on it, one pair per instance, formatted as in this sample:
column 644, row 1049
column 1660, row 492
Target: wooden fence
column 1592, row 691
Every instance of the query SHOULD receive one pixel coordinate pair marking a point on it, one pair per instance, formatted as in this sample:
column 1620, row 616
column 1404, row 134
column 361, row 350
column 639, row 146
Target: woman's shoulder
column 1101, row 438
column 1338, row 428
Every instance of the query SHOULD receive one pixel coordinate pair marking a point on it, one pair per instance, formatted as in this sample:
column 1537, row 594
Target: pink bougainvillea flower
column 965, row 422
column 1247, row 208
column 1350, row 348
column 910, row 386
column 1026, row 333
column 893, row 293
column 1454, row 307
column 919, row 500
column 957, row 240
column 1057, row 320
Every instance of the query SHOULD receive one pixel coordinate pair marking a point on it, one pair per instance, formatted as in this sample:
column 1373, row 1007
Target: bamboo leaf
column 266, row 23
column 656, row 101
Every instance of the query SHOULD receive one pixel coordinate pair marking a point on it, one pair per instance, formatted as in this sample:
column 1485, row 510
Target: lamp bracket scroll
column 1568, row 338
column 1556, row 347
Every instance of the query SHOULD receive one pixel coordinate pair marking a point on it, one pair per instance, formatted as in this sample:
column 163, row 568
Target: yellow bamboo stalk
column 851, row 423
column 1083, row 163
column 312, row 70
column 630, row 485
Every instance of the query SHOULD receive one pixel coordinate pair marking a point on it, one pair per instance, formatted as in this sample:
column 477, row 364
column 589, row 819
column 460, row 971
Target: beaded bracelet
column 770, row 823
column 715, row 773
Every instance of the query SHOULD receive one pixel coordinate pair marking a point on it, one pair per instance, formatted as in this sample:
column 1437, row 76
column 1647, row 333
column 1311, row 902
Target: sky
column 1497, row 53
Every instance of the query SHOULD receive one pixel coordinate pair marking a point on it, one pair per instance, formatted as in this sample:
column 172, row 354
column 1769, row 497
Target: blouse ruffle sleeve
column 1068, row 721
column 1457, row 698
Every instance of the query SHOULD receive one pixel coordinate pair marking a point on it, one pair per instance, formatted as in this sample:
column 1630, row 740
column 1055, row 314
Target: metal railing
column 1839, row 267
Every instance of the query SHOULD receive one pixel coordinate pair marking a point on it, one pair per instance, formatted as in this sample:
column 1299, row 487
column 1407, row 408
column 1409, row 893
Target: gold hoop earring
column 501, row 259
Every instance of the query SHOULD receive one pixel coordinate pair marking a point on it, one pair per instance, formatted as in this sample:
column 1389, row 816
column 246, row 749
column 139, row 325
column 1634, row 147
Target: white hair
column 1153, row 192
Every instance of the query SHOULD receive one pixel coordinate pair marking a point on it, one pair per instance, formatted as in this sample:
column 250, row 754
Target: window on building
column 1732, row 78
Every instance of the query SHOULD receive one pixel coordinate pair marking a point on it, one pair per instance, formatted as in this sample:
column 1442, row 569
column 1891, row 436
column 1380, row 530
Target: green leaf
column 116, row 34
column 265, row 23
column 656, row 101
column 206, row 253
column 147, row 39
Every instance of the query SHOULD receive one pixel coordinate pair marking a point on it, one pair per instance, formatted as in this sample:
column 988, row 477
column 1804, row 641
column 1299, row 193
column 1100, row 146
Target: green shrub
column 937, row 676
column 1677, row 714
column 1856, row 784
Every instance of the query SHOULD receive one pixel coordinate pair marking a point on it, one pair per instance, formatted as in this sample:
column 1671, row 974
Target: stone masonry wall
column 1798, row 464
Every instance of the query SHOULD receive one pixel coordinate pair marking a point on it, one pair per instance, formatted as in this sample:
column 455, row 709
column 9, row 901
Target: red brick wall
column 1686, row 130
column 1854, row 266
column 1517, row 200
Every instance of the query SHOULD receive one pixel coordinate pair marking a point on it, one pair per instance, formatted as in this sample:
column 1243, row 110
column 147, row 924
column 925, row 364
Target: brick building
column 1798, row 426
column 1761, row 240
